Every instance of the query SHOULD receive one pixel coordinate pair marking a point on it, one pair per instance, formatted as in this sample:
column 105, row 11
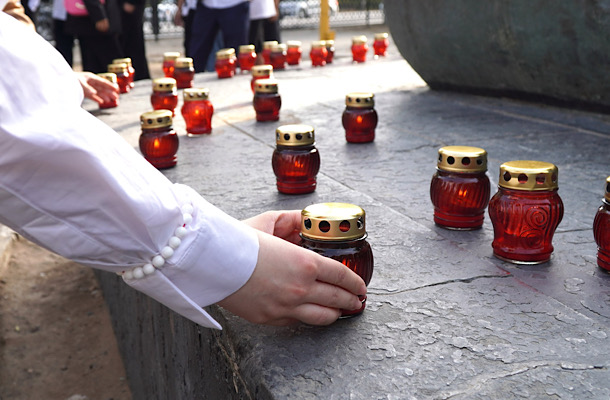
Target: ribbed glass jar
column 295, row 160
column 122, row 76
column 318, row 53
column 110, row 77
column 164, row 95
column 158, row 140
column 267, row 101
column 197, row 111
column 359, row 48
column 359, row 117
column 338, row 231
column 460, row 188
column 246, row 57
column 601, row 230
column 525, row 212
column 184, row 72
column 225, row 63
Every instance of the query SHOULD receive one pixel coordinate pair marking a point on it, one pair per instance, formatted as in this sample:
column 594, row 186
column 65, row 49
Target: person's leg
column 132, row 41
column 64, row 42
column 255, row 36
column 234, row 23
column 271, row 30
column 188, row 29
column 205, row 27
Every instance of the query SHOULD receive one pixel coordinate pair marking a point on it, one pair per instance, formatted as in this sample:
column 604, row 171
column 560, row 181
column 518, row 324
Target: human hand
column 129, row 8
column 283, row 224
column 97, row 88
column 178, row 20
column 291, row 283
column 102, row 25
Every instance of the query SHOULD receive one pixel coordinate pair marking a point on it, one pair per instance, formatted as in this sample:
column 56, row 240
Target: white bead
column 174, row 242
column 167, row 252
column 187, row 209
column 128, row 275
column 187, row 218
column 148, row 269
column 158, row 261
column 138, row 273
column 180, row 232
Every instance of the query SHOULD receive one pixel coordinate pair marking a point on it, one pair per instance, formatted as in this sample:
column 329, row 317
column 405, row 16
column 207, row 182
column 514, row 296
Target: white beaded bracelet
column 158, row 261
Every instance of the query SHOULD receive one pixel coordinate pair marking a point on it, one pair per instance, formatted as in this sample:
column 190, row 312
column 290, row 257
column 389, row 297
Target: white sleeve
column 71, row 184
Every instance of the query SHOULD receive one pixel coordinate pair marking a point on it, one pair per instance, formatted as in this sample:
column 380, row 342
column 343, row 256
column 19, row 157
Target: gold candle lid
column 528, row 175
column 125, row 60
column 269, row 44
column 381, row 36
column 361, row 39
column 333, row 221
column 262, row 70
column 329, row 43
column 193, row 94
column 156, row 119
column 184, row 62
column 607, row 194
column 265, row 86
column 278, row 48
column 246, row 48
column 462, row 159
column 360, row 100
column 109, row 76
column 164, row 85
column 295, row 135
column 293, row 43
column 317, row 44
column 120, row 68
column 171, row 55
column 224, row 54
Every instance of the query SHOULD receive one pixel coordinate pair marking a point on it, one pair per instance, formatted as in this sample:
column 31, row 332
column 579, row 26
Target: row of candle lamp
column 525, row 211
column 278, row 55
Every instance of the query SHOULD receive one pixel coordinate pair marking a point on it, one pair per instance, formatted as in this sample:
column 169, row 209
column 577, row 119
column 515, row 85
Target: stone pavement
column 445, row 319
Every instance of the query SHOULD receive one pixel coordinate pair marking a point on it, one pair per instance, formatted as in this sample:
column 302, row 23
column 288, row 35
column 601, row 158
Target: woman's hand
column 97, row 88
column 291, row 283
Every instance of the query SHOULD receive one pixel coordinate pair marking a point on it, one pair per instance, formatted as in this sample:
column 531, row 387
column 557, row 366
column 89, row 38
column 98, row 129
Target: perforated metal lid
column 164, row 84
column 117, row 68
column 295, row 135
column 265, row 86
column 156, row 119
column 193, row 94
column 170, row 55
column 125, row 60
column 361, row 39
column 462, row 159
column 246, row 48
column 264, row 70
column 607, row 194
column 333, row 221
column 528, row 175
column 224, row 54
column 184, row 62
column 360, row 100
column 381, row 36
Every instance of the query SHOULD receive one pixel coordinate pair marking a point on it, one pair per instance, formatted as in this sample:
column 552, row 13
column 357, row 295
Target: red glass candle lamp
column 110, row 77
column 278, row 56
column 266, row 53
column 380, row 45
column 225, row 63
column 330, row 51
column 460, row 188
column 359, row 117
column 318, row 53
column 295, row 160
column 164, row 95
column 525, row 212
column 260, row 72
column 130, row 68
column 601, row 230
column 184, row 72
column 197, row 111
column 338, row 231
column 267, row 101
column 122, row 76
column 359, row 48
column 169, row 63
column 158, row 140
column 293, row 52
column 247, row 57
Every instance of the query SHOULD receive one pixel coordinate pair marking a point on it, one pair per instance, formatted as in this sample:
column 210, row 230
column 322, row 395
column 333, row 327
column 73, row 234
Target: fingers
column 335, row 273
